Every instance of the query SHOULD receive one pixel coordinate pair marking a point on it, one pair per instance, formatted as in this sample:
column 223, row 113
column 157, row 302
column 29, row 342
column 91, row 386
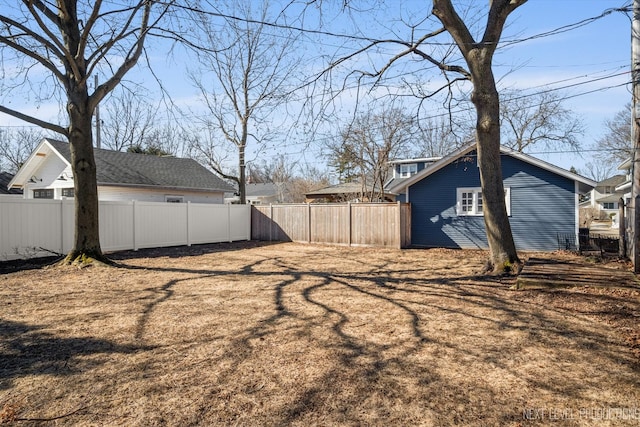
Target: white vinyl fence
column 32, row 228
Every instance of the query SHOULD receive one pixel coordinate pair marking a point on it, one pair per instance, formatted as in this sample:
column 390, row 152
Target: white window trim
column 410, row 169
column 476, row 191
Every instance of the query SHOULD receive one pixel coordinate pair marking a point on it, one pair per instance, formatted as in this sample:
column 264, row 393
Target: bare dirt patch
column 290, row 334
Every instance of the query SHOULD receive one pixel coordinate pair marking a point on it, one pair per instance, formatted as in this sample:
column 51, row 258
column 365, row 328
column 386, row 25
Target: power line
column 562, row 29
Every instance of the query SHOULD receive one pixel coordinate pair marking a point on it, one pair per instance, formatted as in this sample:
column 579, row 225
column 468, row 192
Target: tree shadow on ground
column 13, row 266
column 27, row 350
column 445, row 338
column 366, row 375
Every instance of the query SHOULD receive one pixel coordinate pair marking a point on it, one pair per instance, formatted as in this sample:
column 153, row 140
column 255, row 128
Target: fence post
column 249, row 223
column 308, row 222
column 270, row 222
column 229, row 222
column 188, row 223
column 61, row 226
column 135, row 229
column 622, row 244
column 349, row 221
column 399, row 228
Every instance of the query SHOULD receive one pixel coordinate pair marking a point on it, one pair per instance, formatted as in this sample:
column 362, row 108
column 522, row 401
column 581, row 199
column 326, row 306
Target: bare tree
column 70, row 41
column 310, row 179
column 244, row 80
column 598, row 171
column 615, row 146
column 167, row 138
column 367, row 144
column 437, row 137
column 16, row 145
column 478, row 55
column 532, row 120
column 127, row 119
column 276, row 170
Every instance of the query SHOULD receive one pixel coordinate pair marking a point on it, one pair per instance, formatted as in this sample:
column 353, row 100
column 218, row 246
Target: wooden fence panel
column 261, row 223
column 365, row 224
column 290, row 223
column 330, row 223
column 405, row 225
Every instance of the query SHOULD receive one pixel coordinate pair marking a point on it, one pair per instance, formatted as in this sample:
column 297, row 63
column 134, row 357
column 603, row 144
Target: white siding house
column 121, row 176
column 603, row 199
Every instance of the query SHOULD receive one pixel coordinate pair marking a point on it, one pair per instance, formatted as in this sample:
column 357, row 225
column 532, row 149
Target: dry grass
column 290, row 334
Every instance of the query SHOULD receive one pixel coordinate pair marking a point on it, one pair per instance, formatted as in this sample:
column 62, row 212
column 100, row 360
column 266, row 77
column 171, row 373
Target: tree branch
column 131, row 59
column 9, row 41
column 33, row 120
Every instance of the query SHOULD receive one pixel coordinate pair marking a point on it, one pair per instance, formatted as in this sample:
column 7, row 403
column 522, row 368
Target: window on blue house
column 470, row 201
column 406, row 170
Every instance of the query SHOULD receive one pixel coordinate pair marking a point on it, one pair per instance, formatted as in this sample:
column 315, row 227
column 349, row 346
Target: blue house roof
column 400, row 186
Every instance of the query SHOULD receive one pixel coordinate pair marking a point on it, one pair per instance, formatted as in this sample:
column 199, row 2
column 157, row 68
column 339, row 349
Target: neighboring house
column 605, row 196
column 5, row 179
column 625, row 186
column 403, row 169
column 120, row 176
column 446, row 201
column 345, row 192
column 262, row 193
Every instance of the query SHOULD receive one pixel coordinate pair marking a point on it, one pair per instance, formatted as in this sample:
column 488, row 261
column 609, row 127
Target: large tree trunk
column 478, row 56
column 502, row 248
column 86, row 243
column 69, row 48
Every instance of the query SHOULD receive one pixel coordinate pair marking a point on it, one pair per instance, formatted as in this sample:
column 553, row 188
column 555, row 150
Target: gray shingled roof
column 122, row 168
column 261, row 189
column 343, row 188
column 5, row 179
column 611, row 181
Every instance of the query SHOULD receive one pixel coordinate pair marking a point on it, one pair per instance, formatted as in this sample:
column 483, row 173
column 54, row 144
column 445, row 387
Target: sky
column 594, row 58
column 588, row 64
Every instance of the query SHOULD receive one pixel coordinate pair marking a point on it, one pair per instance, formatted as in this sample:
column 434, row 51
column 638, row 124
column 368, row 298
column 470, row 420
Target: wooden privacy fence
column 363, row 224
column 40, row 227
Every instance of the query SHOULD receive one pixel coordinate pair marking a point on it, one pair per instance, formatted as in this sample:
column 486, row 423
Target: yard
column 291, row 334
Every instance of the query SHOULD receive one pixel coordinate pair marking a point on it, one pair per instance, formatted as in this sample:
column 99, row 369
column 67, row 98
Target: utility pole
column 635, row 137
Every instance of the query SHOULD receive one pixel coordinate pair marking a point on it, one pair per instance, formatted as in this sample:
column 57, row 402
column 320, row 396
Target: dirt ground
column 288, row 334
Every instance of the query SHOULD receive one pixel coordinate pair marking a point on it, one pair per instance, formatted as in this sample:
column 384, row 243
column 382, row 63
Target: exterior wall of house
column 55, row 169
column 115, row 194
column 542, row 204
column 261, row 200
column 49, row 176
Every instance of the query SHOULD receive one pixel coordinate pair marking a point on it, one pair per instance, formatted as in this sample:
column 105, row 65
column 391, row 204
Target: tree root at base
column 85, row 259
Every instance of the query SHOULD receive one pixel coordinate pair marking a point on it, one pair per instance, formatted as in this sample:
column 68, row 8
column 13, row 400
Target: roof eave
column 586, row 182
column 548, row 166
column 28, row 167
column 170, row 187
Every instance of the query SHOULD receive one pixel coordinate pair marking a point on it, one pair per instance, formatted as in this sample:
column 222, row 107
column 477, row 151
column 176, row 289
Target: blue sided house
column 446, row 201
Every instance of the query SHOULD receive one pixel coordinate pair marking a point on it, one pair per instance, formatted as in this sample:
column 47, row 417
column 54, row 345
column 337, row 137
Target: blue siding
column 542, row 205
